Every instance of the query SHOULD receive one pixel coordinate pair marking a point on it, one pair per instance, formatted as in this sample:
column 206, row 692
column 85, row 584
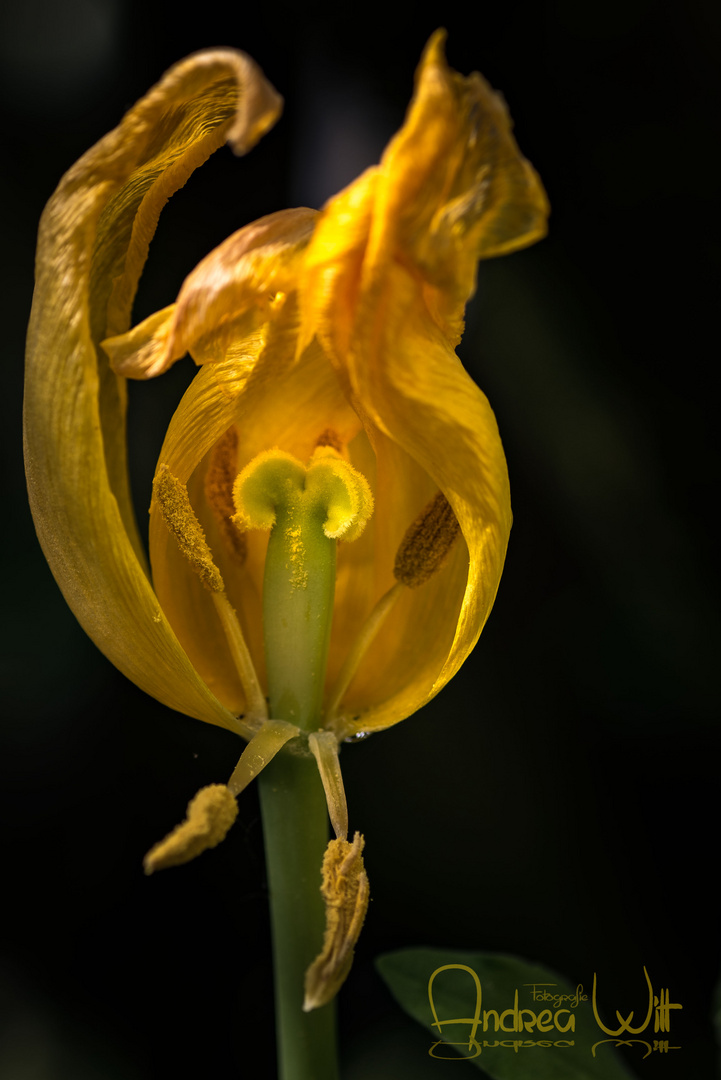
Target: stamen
column 324, row 747
column 256, row 705
column 360, row 646
column 219, row 480
column 179, row 516
column 427, row 542
column 329, row 437
column 208, row 818
column 262, row 748
column 346, row 893
column 421, row 553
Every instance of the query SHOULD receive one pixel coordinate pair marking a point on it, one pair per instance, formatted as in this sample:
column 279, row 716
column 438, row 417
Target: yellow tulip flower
column 326, row 345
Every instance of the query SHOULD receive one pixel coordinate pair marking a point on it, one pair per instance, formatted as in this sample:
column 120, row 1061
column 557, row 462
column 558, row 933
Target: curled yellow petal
column 209, row 816
column 346, row 893
column 388, row 271
column 93, row 241
column 231, row 293
column 454, row 188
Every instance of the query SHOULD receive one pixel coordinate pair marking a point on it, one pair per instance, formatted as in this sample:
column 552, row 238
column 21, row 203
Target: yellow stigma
column 329, row 486
column 208, row 818
column 179, row 516
column 427, row 542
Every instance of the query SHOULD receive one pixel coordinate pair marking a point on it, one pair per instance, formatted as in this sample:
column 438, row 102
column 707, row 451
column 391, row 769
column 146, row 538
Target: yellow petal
column 390, row 267
column 93, row 241
column 453, row 188
column 233, row 292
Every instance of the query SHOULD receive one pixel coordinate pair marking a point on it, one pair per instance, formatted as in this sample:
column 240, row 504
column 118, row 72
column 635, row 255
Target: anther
column 421, row 553
column 208, row 818
column 346, row 894
column 177, row 513
column 219, row 480
column 427, row 542
column 329, row 437
column 179, row 516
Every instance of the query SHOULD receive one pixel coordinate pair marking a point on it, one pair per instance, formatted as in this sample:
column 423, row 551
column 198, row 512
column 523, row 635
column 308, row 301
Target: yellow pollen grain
column 427, row 542
column 209, row 816
column 219, row 480
column 179, row 517
column 299, row 574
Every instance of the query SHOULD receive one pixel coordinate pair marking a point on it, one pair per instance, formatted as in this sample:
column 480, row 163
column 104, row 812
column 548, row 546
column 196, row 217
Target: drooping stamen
column 346, row 893
column 306, row 509
column 324, row 747
column 179, row 516
column 219, row 480
column 427, row 542
column 421, row 554
column 209, row 816
column 262, row 748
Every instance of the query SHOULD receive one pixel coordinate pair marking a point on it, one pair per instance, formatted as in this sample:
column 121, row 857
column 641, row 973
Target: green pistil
column 298, row 592
column 306, row 509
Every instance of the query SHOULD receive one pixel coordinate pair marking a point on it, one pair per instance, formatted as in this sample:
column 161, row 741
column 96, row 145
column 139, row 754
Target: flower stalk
column 295, row 831
column 307, row 509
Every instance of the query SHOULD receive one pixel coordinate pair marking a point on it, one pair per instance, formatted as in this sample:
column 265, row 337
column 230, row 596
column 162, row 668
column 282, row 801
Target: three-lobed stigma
column 328, row 489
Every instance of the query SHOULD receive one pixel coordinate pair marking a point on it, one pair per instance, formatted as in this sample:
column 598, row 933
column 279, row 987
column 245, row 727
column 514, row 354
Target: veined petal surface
column 93, row 241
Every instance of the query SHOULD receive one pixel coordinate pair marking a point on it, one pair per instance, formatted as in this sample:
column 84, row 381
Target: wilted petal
column 388, row 271
column 93, row 242
column 232, row 293
column 453, row 189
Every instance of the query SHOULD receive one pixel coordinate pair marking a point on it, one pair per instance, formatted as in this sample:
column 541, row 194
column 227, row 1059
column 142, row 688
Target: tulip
column 331, row 506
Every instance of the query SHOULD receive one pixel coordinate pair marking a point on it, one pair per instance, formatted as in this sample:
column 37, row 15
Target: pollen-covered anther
column 427, row 542
column 209, row 816
column 346, row 894
column 219, row 480
column 179, row 516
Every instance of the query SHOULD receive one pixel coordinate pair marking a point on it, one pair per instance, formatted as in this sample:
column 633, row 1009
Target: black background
column 559, row 799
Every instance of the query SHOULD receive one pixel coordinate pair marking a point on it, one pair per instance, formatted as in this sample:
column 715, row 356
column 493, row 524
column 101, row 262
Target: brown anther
column 329, row 437
column 219, row 480
column 427, row 542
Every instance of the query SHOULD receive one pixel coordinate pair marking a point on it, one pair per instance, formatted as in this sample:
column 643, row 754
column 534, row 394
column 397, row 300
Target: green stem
column 298, row 590
column 295, row 829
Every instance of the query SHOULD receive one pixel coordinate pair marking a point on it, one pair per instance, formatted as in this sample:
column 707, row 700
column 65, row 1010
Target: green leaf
column 507, row 1054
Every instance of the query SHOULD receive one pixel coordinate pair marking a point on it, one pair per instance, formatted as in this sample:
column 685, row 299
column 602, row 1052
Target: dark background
column 559, row 800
